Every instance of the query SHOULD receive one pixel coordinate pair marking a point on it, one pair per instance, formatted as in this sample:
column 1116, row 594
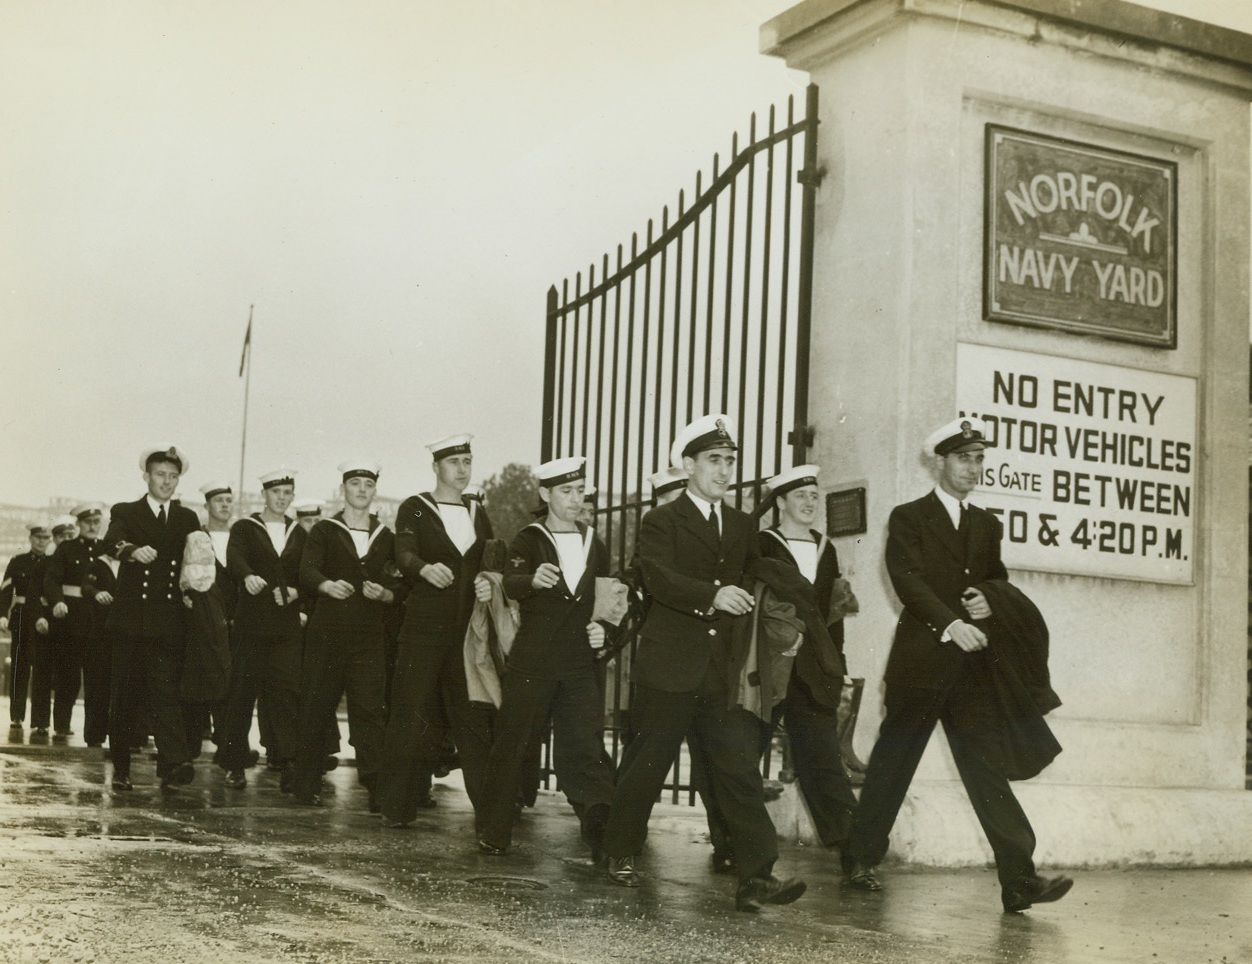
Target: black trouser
column 731, row 742
column 585, row 774
column 145, row 685
column 969, row 720
column 817, row 759
column 19, row 662
column 266, row 667
column 351, row 663
column 42, row 677
column 428, row 666
column 96, row 676
column 68, row 637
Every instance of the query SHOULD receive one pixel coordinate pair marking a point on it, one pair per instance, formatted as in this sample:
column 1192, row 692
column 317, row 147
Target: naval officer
column 145, row 620
column 939, row 549
column 693, row 553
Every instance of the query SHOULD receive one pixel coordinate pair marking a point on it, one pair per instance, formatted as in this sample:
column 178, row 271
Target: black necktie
column 713, row 526
column 161, row 515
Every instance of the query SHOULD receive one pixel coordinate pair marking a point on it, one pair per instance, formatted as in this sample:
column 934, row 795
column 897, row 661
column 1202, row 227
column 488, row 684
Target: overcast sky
column 394, row 185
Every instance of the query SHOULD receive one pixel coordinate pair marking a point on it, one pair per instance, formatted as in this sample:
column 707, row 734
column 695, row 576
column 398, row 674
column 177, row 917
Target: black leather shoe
column 1040, row 890
column 862, row 877
column 330, row 763
column 426, row 803
column 122, row 784
column 722, row 863
column 180, row 776
column 396, row 824
column 307, row 799
column 622, row 871
column 768, row 890
column 236, row 779
column 490, row 849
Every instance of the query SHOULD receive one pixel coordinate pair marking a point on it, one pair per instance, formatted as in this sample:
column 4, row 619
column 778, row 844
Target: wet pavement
column 204, row 873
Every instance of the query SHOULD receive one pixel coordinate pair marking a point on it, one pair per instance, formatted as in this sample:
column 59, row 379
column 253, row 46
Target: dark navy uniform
column 13, row 599
column 42, row 668
column 812, row 718
column 70, row 635
column 146, row 625
column 99, row 579
column 551, row 674
column 682, row 684
column 345, row 648
column 265, row 663
column 430, row 660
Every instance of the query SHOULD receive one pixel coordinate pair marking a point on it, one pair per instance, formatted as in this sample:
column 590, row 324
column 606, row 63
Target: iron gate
column 709, row 311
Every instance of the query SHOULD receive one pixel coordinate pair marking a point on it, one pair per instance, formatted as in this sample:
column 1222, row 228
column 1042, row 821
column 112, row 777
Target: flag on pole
column 247, row 344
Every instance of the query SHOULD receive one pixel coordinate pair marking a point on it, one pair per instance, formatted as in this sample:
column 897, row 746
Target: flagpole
column 245, row 362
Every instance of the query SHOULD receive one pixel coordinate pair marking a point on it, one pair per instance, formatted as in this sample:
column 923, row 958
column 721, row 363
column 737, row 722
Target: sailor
column 349, row 568
column 263, row 556
column 439, row 547
column 219, row 506
column 146, row 620
column 99, row 589
column 19, row 620
column 70, row 634
column 551, row 672
column 810, row 710
column 693, row 553
column 43, row 672
column 308, row 512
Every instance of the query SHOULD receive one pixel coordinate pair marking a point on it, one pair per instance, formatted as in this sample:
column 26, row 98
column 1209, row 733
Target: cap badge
column 721, row 429
column 967, row 430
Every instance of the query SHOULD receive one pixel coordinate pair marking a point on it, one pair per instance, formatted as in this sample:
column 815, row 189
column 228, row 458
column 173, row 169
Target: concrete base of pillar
column 1076, row 826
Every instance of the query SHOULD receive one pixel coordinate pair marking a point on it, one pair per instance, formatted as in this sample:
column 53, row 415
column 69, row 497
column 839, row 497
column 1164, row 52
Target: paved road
column 208, row 874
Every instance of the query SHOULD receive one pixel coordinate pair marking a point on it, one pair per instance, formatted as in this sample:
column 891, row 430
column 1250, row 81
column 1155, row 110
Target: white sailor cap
column 792, row 478
column 473, row 491
column 559, row 471
column 667, row 480
column 306, row 508
column 956, row 435
column 63, row 522
column 211, row 489
column 450, row 445
column 706, row 432
column 168, row 453
column 360, row 469
column 283, row 476
column 87, row 508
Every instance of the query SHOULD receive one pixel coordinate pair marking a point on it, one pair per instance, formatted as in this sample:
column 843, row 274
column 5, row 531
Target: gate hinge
column 804, row 433
column 811, row 177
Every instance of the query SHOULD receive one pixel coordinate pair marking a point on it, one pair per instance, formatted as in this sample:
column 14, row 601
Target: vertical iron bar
column 730, row 279
column 763, row 356
column 626, row 439
column 660, row 359
column 549, row 377
column 660, row 333
column 573, row 391
column 605, row 479
column 695, row 282
column 745, row 309
column 598, row 478
column 678, row 323
column 560, row 391
column 804, row 284
column 644, row 346
column 783, row 368
column 591, row 324
column 708, row 316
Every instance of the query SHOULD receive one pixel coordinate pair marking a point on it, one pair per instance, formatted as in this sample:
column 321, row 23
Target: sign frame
column 1079, row 317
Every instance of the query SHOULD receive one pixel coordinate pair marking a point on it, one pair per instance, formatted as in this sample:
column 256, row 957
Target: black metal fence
column 709, row 311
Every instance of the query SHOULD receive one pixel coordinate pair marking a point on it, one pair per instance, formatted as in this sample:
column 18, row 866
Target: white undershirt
column 278, row 535
column 804, row 551
column 569, row 549
column 952, row 505
column 360, row 539
column 459, row 526
column 219, row 540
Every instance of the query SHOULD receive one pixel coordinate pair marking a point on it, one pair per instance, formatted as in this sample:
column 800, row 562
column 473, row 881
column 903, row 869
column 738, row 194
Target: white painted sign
column 1093, row 470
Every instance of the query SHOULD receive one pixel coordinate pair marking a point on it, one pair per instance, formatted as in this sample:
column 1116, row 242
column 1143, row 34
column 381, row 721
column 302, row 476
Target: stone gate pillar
column 1038, row 210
